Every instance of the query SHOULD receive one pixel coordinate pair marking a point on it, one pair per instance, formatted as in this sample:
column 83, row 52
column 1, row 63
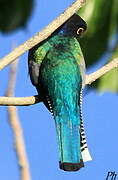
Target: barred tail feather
column 83, row 144
column 86, row 155
column 84, row 149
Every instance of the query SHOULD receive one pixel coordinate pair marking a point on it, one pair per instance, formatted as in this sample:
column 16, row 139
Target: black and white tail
column 84, row 148
column 83, row 145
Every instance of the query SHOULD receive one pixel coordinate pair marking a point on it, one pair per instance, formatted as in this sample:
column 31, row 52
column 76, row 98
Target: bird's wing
column 77, row 53
column 35, row 58
column 81, row 63
column 82, row 69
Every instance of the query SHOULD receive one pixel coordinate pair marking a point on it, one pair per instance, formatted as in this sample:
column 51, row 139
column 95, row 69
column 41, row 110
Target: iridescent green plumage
column 55, row 68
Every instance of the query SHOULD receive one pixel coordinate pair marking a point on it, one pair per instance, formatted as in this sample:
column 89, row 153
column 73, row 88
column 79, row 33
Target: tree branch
column 24, row 101
column 16, row 128
column 19, row 101
column 19, row 143
column 43, row 34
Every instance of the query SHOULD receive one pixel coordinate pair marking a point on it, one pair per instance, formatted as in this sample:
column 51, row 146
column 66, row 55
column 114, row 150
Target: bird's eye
column 80, row 30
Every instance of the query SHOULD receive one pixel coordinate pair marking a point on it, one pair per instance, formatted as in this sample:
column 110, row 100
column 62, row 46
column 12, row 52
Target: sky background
column 100, row 116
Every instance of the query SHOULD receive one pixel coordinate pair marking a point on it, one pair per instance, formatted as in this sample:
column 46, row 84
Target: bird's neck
column 59, row 38
column 62, row 43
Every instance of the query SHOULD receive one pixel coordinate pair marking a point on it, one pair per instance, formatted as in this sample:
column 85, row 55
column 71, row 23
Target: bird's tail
column 72, row 146
column 68, row 134
column 73, row 150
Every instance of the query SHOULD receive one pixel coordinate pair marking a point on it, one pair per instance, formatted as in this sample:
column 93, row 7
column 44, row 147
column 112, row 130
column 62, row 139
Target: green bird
column 56, row 68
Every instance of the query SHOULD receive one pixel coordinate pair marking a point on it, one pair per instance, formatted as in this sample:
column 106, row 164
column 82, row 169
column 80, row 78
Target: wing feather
column 35, row 58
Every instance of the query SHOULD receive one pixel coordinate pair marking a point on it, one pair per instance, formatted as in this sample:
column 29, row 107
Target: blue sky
column 100, row 117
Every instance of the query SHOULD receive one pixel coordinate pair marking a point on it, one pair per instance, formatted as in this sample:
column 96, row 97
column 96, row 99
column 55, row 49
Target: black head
column 73, row 27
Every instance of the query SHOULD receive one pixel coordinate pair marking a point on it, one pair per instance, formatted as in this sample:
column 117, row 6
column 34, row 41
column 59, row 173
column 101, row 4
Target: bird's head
column 73, row 27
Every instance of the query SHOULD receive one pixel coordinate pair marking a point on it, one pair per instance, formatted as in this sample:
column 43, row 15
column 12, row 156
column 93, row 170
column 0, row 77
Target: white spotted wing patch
column 50, row 105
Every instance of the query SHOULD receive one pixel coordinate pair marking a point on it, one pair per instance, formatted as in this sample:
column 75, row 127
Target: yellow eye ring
column 80, row 30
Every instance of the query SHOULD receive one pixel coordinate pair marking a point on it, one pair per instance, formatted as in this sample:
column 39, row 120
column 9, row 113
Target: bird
column 57, row 70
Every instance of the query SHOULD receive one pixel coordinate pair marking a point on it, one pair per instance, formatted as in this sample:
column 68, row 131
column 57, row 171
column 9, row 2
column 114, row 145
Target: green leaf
column 109, row 82
column 14, row 14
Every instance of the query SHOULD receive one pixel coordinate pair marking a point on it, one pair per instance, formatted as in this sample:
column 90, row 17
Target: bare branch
column 24, row 101
column 43, row 34
column 19, row 143
column 17, row 130
column 19, row 101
